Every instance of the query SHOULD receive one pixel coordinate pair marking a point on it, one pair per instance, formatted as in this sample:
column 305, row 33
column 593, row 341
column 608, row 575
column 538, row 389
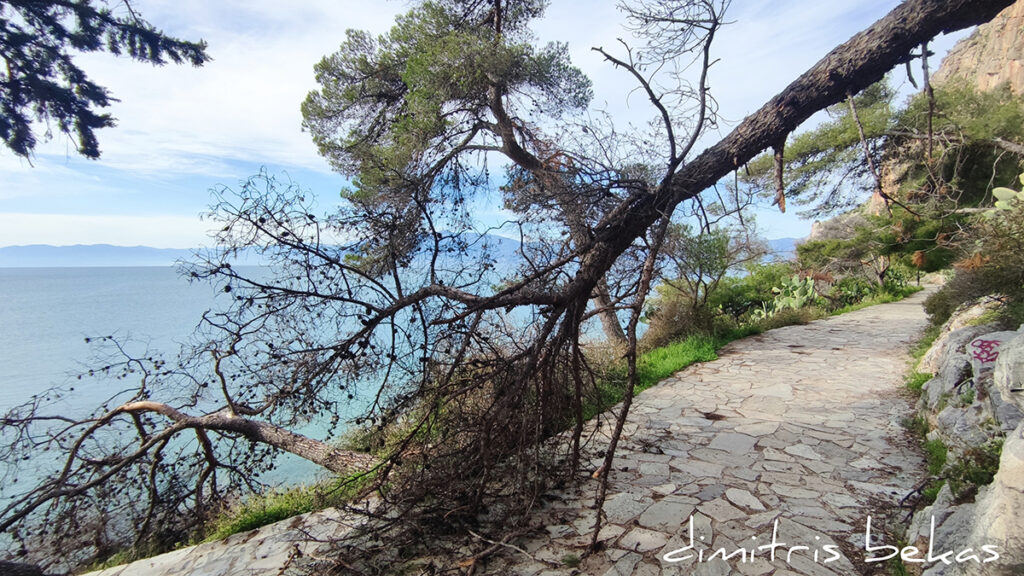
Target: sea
column 47, row 315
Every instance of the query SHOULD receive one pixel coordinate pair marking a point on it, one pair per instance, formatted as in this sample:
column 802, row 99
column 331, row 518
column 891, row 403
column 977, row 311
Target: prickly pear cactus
column 795, row 293
column 1005, row 197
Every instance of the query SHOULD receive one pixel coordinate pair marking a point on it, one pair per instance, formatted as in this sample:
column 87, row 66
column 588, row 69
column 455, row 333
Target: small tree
column 693, row 266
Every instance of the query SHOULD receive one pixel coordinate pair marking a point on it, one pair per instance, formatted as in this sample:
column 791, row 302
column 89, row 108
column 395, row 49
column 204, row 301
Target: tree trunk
column 613, row 332
column 316, row 451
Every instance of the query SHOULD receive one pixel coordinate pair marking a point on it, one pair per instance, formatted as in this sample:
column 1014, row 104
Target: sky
column 182, row 131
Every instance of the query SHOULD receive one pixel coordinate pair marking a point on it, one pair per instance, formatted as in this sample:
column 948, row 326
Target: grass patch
column 994, row 316
column 931, row 492
column 935, row 452
column 895, row 564
column 916, row 425
column 661, row 363
column 261, row 510
column 928, row 337
column 915, row 381
column 967, row 398
column 652, row 367
column 118, row 558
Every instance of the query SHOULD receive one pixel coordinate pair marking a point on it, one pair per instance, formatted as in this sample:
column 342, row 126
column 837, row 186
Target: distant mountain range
column 99, row 255
column 783, row 248
column 93, row 255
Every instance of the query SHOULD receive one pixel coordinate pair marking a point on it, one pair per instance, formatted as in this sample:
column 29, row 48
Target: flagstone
column 720, row 510
column 667, row 515
column 744, row 499
column 803, row 451
column 733, row 443
column 643, row 540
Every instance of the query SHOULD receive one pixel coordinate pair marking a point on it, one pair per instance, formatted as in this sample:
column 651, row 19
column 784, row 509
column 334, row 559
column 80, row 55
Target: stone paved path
column 795, row 432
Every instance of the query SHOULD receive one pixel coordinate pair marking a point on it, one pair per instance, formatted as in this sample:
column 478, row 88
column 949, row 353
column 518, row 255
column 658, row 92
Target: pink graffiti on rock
column 985, row 351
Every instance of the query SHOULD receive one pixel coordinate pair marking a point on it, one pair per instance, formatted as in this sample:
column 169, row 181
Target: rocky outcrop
column 992, row 56
column 964, row 402
column 990, row 528
column 1000, row 510
column 973, row 405
column 841, row 227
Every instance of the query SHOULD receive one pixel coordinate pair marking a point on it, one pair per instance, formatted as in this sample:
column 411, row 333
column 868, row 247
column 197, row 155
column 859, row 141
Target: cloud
column 244, row 105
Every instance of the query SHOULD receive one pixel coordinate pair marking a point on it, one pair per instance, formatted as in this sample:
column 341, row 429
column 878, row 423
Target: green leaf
column 1005, row 194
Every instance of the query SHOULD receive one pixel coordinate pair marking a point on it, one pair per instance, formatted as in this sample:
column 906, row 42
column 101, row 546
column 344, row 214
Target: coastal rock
column 963, row 426
column 955, row 336
column 973, row 401
column 985, row 349
column 999, row 513
column 1008, row 376
column 992, row 56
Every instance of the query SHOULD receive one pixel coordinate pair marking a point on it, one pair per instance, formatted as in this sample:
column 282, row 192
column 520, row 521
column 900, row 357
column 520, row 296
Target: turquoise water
column 47, row 313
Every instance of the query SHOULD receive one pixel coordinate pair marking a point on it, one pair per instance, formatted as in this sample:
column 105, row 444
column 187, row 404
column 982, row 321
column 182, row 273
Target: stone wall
column 974, row 402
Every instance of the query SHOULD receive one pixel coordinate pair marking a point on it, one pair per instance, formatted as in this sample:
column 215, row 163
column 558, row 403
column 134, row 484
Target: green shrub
column 852, row 289
column 673, row 316
column 971, row 163
column 738, row 296
column 931, row 492
column 897, row 278
column 977, row 467
column 790, row 317
column 965, row 286
column 995, row 267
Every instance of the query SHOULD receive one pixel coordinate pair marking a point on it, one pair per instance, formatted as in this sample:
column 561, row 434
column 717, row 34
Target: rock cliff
column 994, row 54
